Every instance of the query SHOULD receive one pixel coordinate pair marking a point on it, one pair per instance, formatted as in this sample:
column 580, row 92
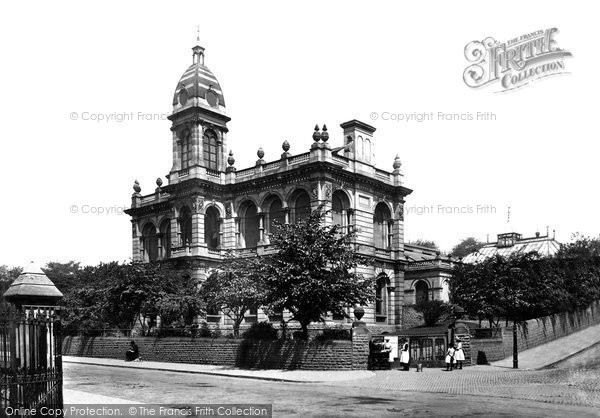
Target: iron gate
column 30, row 358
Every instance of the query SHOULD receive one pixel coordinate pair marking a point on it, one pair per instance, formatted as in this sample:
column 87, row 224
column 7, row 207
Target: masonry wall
column 295, row 354
column 535, row 332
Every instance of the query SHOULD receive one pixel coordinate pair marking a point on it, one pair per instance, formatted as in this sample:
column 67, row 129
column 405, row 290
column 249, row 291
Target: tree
column 432, row 310
column 179, row 301
column 466, row 246
column 117, row 295
column 7, row 276
column 235, row 288
column 65, row 276
column 522, row 286
column 576, row 267
column 313, row 271
column 425, row 243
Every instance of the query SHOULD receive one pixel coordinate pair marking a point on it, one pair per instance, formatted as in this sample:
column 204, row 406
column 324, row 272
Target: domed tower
column 199, row 123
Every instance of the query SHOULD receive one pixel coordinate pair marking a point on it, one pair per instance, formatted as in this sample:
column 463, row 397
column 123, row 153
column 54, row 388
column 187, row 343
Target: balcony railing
column 428, row 264
column 300, row 158
column 213, row 173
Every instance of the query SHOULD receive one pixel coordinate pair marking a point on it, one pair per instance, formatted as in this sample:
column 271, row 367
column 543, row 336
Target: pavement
column 552, row 353
column 71, row 397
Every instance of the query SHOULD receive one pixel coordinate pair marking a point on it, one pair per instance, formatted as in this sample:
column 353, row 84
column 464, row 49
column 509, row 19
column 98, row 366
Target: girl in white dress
column 459, row 355
column 449, row 357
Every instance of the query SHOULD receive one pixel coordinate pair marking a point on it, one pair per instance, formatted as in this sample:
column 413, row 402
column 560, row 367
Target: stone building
column 208, row 206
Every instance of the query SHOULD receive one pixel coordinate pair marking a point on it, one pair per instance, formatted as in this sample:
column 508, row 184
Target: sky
column 284, row 67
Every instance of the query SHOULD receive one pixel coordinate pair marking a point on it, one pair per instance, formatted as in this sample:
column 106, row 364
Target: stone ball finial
column 397, row 163
column 285, row 146
column 359, row 312
column 317, row 134
column 324, row 134
column 136, row 186
column 159, row 182
column 260, row 153
column 230, row 159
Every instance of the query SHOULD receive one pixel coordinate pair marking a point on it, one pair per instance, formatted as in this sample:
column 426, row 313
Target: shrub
column 432, row 310
column 261, row 331
column 204, row 331
column 298, row 335
column 216, row 332
column 337, row 333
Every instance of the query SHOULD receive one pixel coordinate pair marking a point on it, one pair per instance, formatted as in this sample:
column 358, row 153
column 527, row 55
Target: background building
column 208, row 206
column 511, row 243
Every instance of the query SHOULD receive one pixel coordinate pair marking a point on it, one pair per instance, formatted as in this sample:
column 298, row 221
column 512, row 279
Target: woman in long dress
column 387, row 348
column 459, row 355
column 405, row 357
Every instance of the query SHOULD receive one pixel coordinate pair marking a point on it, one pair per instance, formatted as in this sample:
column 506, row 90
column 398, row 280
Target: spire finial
column 198, row 50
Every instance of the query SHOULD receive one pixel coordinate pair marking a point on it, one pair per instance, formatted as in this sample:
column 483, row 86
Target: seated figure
column 133, row 353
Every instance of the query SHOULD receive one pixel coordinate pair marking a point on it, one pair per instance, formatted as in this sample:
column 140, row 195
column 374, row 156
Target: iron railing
column 30, row 358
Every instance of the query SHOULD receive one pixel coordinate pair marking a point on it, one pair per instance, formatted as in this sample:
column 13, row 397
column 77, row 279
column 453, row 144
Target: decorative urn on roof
column 33, row 287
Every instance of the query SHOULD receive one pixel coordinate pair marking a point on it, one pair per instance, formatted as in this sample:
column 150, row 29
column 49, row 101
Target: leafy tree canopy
column 466, row 246
column 235, row 288
column 425, row 243
column 313, row 271
column 7, row 276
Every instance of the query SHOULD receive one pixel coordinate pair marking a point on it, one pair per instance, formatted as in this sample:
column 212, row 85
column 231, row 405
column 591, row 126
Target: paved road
column 389, row 393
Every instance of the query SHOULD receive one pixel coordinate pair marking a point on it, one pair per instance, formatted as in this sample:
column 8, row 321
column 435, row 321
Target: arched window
column 211, row 227
column 275, row 215
column 359, row 147
column 381, row 226
column 421, row 292
column 185, row 227
column 381, row 296
column 184, row 149
column 165, row 239
column 210, row 150
column 249, row 225
column 340, row 212
column 367, row 150
column 150, row 242
column 300, row 206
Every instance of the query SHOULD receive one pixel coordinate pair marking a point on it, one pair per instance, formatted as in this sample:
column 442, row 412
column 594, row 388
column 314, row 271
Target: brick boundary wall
column 289, row 354
column 536, row 332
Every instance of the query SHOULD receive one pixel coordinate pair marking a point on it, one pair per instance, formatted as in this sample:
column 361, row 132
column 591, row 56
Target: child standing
column 450, row 357
column 459, row 355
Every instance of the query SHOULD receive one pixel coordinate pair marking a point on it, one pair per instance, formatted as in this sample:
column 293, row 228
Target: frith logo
column 515, row 63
